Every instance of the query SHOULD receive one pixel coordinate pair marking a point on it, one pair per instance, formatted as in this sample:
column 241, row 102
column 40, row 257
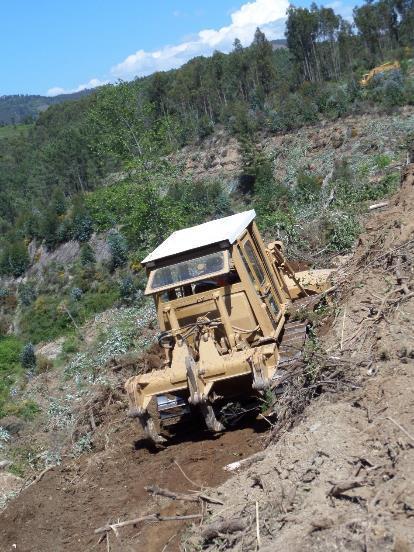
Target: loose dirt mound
column 342, row 477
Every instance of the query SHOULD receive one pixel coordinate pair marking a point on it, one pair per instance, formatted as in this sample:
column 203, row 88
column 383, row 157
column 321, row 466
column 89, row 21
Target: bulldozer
column 384, row 68
column 223, row 300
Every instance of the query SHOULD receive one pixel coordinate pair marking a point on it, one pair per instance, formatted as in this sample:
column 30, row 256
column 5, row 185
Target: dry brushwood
column 318, row 371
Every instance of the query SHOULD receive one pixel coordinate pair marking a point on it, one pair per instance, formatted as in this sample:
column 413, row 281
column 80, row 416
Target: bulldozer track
column 292, row 343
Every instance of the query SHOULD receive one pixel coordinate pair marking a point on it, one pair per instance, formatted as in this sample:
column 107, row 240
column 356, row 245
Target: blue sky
column 51, row 46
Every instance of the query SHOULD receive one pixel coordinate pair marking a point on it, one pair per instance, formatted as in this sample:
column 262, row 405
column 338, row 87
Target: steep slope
column 336, row 474
column 341, row 478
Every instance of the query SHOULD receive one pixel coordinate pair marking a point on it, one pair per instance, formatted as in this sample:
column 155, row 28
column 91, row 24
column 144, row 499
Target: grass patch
column 27, row 410
column 10, row 368
column 47, row 318
column 9, row 131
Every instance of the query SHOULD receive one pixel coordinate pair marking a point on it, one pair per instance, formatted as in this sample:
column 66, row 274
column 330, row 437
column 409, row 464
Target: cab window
column 254, row 261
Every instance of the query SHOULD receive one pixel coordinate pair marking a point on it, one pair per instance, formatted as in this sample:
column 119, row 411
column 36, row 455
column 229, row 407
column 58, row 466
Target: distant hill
column 21, row 108
column 278, row 43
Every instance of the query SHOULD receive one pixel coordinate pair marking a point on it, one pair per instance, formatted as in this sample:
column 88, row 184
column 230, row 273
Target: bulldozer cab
column 222, row 272
column 221, row 297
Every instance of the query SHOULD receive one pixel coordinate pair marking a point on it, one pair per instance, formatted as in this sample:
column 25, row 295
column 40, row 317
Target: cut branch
column 196, row 497
column 151, row 517
column 342, row 486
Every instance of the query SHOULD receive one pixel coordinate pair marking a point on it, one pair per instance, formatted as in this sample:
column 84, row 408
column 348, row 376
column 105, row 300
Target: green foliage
column 27, row 293
column 28, row 357
column 382, row 160
column 119, row 249
column 14, row 258
column 50, row 316
column 82, row 226
column 10, row 368
column 87, row 255
column 308, row 187
column 26, row 409
column 44, row 320
column 343, row 229
column 127, row 288
column 70, row 345
column 76, row 294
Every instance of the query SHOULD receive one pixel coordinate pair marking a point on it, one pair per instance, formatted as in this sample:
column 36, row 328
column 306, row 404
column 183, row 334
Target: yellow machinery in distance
column 384, row 68
column 222, row 299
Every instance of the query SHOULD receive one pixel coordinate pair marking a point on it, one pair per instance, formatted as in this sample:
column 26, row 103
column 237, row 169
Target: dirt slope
column 62, row 510
column 342, row 479
column 357, row 434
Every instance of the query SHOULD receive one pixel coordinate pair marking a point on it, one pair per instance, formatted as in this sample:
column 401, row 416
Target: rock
column 12, row 424
column 51, row 350
column 337, row 140
column 4, row 464
column 10, row 483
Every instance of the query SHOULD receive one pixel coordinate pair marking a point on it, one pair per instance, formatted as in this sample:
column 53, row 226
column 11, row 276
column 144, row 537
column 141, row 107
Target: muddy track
column 62, row 510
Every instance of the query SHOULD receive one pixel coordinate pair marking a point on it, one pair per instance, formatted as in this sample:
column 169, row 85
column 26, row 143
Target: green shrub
column 76, row 294
column 27, row 293
column 70, row 345
column 28, row 357
column 127, row 288
column 308, row 187
column 10, row 368
column 93, row 302
column 49, row 225
column 26, row 409
column 343, row 230
column 44, row 320
column 119, row 249
column 87, row 255
column 382, row 160
column 82, row 227
column 14, row 258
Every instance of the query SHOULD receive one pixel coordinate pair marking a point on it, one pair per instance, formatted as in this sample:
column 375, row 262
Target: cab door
column 260, row 278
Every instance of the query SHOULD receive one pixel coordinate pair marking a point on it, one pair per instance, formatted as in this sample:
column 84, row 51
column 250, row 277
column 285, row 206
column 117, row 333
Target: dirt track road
column 61, row 512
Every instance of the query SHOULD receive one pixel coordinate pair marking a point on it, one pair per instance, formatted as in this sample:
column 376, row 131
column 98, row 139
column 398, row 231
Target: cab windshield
column 188, row 271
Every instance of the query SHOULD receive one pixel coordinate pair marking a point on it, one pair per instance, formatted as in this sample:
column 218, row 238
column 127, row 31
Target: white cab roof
column 214, row 231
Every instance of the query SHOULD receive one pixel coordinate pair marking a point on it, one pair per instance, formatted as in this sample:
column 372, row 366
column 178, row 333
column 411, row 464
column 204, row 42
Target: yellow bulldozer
column 222, row 299
column 384, row 68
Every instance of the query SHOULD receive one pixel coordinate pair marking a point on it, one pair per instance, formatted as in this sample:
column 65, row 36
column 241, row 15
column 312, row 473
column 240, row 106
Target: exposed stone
column 12, row 424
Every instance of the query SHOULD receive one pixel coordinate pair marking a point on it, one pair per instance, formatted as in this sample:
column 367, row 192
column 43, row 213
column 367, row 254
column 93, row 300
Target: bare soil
column 62, row 510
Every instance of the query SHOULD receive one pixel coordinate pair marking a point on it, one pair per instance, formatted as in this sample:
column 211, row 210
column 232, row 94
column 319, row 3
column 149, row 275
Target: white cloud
column 267, row 14
column 342, row 8
column 93, row 83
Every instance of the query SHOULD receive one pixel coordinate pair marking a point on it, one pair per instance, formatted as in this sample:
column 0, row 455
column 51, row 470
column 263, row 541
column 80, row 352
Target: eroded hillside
column 336, row 470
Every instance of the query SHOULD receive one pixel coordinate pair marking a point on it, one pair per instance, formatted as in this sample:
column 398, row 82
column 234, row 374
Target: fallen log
column 196, row 497
column 246, row 462
column 378, row 205
column 150, row 517
column 341, row 487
